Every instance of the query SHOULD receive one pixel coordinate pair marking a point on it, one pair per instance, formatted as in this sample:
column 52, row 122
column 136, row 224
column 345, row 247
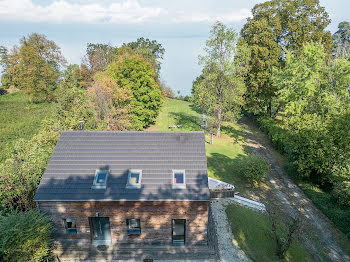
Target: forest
column 283, row 70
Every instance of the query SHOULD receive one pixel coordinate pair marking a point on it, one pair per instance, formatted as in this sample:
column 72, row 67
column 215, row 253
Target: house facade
column 135, row 189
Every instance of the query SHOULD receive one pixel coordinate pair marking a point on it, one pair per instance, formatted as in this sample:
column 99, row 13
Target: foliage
column 341, row 192
column 149, row 49
column 219, row 91
column 99, row 56
column 111, row 102
column 74, row 106
column 20, row 174
column 254, row 168
column 341, row 40
column 34, row 66
column 314, row 98
column 277, row 26
column 133, row 72
column 166, row 90
column 25, row 236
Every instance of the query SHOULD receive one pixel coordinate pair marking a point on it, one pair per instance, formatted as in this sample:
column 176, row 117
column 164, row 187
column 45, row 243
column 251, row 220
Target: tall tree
column 150, row 49
column 34, row 66
column 99, row 56
column 219, row 91
column 341, row 40
column 276, row 26
column 133, row 72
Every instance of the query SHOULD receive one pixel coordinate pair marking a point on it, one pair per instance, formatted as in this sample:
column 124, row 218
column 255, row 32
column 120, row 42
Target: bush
column 24, row 237
column 341, row 193
column 254, row 168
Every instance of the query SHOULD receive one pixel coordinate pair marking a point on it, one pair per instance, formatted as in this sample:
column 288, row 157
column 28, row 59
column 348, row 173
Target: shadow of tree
column 237, row 134
column 188, row 122
column 196, row 109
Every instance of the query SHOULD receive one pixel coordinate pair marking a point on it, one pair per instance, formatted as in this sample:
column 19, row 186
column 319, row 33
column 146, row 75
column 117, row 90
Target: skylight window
column 100, row 180
column 134, row 178
column 179, row 179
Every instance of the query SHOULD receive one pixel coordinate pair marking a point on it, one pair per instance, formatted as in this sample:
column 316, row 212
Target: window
column 71, row 226
column 133, row 226
column 134, row 178
column 179, row 179
column 100, row 180
column 178, row 231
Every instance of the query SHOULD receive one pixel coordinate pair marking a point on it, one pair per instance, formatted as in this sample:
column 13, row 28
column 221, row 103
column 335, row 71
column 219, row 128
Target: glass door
column 178, row 231
column 101, row 230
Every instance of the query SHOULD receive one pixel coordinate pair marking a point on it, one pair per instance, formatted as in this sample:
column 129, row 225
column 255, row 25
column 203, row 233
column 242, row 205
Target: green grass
column 20, row 119
column 250, row 230
column 223, row 156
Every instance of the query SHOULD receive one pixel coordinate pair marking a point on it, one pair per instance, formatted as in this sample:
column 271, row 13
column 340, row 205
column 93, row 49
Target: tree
column 133, row 72
column 25, row 237
column 34, row 66
column 276, row 26
column 219, row 91
column 283, row 231
column 111, row 102
column 150, row 49
column 315, row 100
column 99, row 56
column 341, row 40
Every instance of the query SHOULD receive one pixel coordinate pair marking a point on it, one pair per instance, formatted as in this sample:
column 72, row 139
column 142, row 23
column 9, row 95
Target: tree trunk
column 211, row 138
column 269, row 113
column 219, row 123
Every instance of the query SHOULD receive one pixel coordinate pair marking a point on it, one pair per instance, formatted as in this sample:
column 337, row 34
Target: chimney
column 81, row 124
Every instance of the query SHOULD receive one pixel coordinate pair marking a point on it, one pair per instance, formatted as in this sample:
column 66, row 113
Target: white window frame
column 179, row 185
column 134, row 185
column 99, row 185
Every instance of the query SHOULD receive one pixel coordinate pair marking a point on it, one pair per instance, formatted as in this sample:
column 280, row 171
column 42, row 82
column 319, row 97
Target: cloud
column 94, row 12
column 61, row 11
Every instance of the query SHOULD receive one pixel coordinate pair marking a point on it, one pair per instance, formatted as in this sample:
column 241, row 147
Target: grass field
column 250, row 230
column 223, row 156
column 20, row 119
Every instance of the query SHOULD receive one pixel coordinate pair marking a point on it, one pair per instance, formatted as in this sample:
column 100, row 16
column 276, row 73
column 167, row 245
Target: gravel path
column 229, row 250
column 291, row 197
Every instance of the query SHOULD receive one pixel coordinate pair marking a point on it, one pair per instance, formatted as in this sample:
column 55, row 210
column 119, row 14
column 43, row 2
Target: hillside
column 20, row 119
column 225, row 158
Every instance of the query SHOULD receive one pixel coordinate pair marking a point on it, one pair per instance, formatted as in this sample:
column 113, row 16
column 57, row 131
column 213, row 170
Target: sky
column 181, row 26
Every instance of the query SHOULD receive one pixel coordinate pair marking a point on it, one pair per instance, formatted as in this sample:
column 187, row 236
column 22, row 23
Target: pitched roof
column 78, row 154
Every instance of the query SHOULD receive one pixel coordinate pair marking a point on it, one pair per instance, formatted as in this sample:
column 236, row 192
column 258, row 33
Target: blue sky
column 180, row 26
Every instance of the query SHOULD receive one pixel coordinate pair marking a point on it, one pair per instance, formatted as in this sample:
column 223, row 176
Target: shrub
column 341, row 193
column 24, row 236
column 254, row 168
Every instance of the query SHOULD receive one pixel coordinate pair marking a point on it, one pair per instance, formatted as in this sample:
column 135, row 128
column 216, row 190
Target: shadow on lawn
column 237, row 134
column 188, row 122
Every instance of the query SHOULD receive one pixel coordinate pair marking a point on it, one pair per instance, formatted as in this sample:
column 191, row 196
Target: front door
column 101, row 230
column 178, row 231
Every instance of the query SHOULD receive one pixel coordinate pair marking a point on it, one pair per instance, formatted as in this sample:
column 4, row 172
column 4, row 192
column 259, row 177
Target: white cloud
column 61, row 11
column 123, row 12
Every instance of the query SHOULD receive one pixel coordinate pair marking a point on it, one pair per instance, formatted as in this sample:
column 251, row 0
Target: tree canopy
column 34, row 66
column 276, row 26
column 219, row 91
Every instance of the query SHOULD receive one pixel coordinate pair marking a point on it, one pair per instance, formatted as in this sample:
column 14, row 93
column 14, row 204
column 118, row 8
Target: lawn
column 250, row 230
column 20, row 119
column 223, row 156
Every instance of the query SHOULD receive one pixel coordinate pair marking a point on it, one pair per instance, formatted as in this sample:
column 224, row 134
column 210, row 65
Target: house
column 127, row 189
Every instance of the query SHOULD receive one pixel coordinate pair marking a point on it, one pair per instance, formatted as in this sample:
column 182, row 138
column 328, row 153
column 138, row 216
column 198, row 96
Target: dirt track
column 287, row 195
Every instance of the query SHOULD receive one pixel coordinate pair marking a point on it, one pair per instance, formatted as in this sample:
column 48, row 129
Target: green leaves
column 277, row 26
column 25, row 237
column 219, row 90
